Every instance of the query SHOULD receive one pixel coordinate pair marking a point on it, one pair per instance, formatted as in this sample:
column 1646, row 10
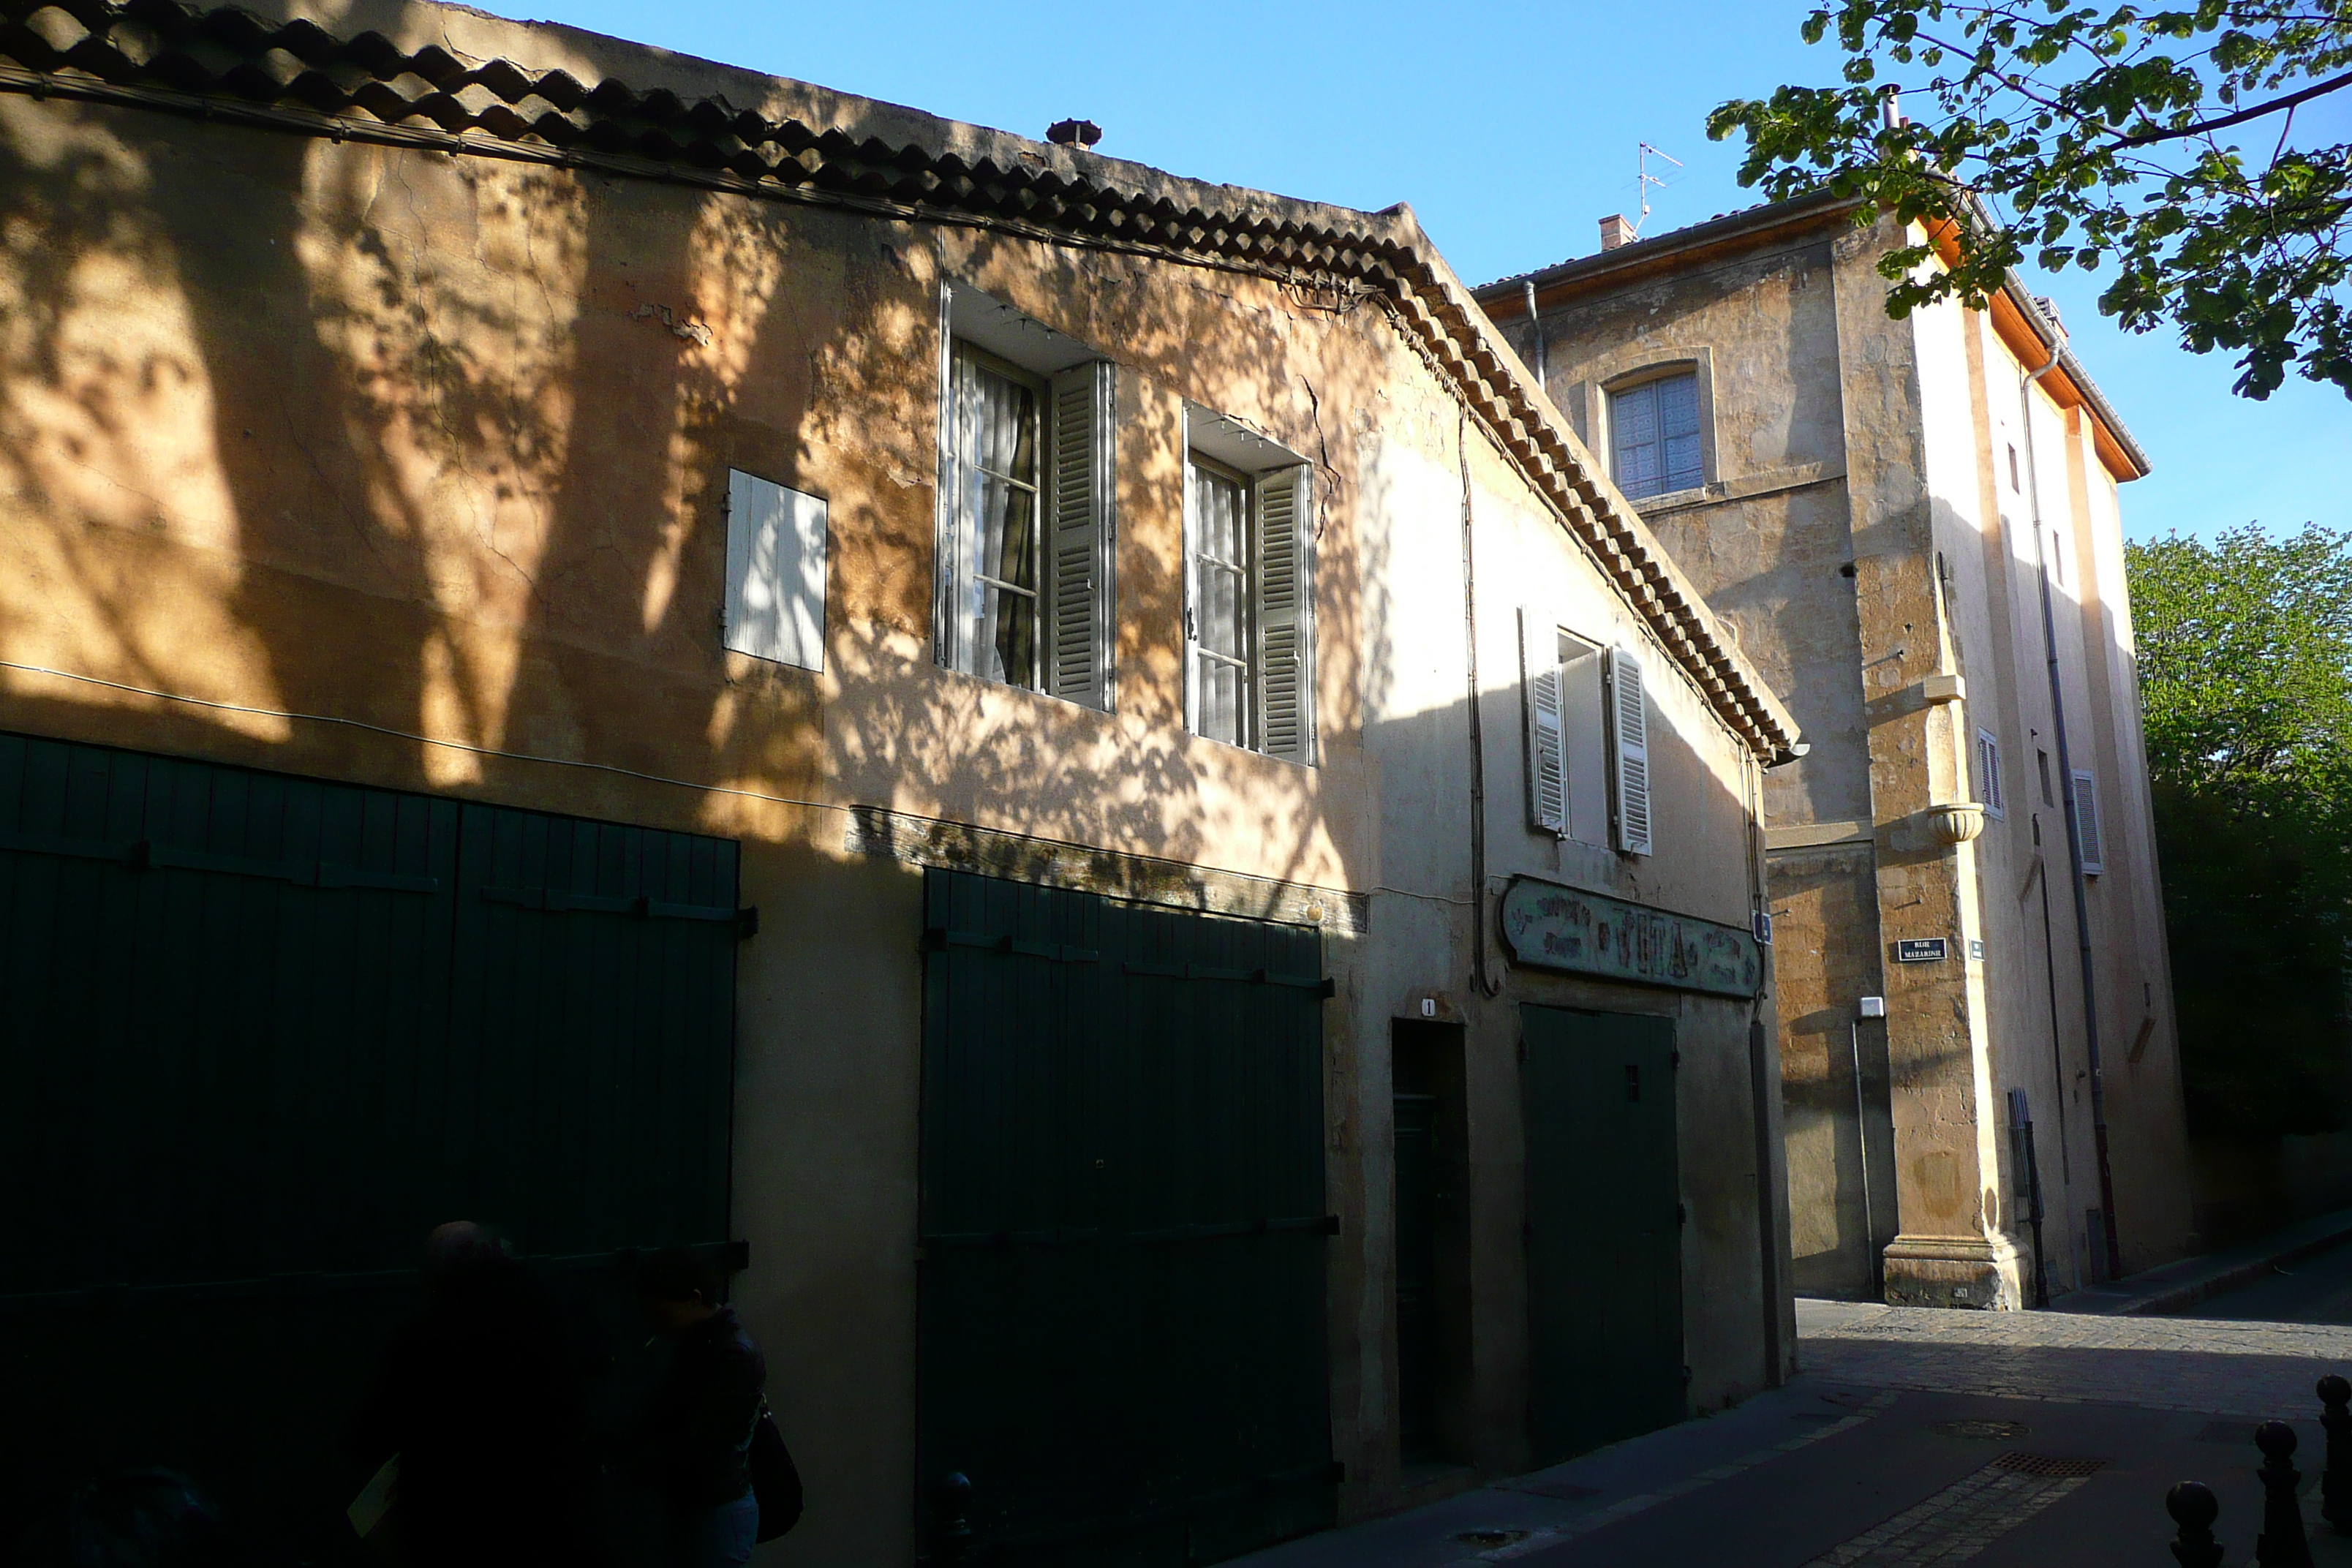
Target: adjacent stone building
column 1912, row 527
column 653, row 655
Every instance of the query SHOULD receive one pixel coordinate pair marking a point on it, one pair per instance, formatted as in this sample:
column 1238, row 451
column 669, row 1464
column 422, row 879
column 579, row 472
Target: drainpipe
column 1535, row 325
column 2074, row 824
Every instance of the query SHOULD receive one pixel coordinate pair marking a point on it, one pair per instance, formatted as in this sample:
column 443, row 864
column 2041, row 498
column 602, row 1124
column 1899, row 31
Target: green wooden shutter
column 1285, row 616
column 1546, row 754
column 1629, row 736
column 1083, row 621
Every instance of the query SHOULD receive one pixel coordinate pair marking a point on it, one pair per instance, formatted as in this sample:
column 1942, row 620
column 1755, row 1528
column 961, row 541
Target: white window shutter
column 1539, row 682
column 946, row 568
column 1989, row 782
column 1079, row 608
column 1285, row 571
column 775, row 572
column 1629, row 735
column 2086, row 823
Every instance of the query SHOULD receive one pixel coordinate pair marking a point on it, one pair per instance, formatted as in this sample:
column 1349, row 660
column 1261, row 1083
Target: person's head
column 678, row 1288
column 144, row 1519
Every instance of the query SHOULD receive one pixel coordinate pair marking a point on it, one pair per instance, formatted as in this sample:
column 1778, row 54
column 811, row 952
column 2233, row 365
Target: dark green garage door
column 1604, row 1242
column 260, row 1034
column 1123, row 1227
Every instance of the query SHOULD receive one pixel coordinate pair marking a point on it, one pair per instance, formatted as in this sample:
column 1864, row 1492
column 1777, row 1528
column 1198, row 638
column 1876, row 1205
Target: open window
column 1249, row 614
column 1991, row 791
column 1588, row 763
column 1026, row 531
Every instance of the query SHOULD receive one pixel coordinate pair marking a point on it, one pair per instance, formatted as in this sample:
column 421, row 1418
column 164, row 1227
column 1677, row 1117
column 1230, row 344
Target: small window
column 1249, row 617
column 1988, row 786
column 2086, row 823
column 775, row 572
column 2041, row 760
column 1654, row 434
column 2015, row 481
column 1025, row 525
column 1587, row 738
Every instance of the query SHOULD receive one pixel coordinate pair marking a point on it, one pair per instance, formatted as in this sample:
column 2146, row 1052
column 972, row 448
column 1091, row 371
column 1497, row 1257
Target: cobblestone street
column 1914, row 1437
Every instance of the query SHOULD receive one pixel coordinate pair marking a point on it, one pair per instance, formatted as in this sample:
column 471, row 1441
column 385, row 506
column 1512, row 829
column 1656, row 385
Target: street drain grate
column 1984, row 1431
column 1491, row 1537
column 2047, row 1465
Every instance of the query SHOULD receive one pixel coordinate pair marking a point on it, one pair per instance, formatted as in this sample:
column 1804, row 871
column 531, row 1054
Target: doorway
column 1604, row 1223
column 1433, row 1246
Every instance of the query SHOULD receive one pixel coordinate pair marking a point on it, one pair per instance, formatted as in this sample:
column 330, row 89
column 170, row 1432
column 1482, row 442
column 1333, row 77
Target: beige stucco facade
column 377, row 451
column 1867, row 521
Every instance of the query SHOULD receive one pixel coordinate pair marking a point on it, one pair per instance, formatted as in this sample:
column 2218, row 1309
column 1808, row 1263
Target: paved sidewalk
column 1912, row 1436
column 2181, row 1285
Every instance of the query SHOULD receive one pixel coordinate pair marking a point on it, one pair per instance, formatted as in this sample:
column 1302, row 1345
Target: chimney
column 1615, row 231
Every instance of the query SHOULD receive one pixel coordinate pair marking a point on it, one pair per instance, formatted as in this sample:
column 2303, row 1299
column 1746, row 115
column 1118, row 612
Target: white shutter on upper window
column 775, row 572
column 1079, row 608
column 1989, row 784
column 1629, row 736
column 1540, row 683
column 1284, row 567
column 2086, row 823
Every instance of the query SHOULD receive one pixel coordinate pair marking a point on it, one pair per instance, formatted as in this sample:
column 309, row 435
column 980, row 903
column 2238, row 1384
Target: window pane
column 1218, row 511
column 1004, row 634
column 1221, row 700
column 1005, row 427
column 1221, row 609
column 1005, row 517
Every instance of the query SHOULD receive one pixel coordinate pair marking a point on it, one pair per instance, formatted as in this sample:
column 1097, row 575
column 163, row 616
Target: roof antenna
column 1648, row 180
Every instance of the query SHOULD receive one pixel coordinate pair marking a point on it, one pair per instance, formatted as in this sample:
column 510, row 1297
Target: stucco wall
column 411, row 475
column 1857, row 529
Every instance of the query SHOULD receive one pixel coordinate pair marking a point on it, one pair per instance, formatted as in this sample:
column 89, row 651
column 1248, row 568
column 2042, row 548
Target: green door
column 262, row 1033
column 1123, row 1217
column 1604, row 1244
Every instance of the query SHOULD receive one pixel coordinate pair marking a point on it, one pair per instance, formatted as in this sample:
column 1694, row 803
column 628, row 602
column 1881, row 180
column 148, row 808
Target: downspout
column 1535, row 325
column 2074, row 825
column 1479, row 983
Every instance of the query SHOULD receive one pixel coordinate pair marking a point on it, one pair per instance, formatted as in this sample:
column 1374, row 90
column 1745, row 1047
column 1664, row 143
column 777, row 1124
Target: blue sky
column 1511, row 129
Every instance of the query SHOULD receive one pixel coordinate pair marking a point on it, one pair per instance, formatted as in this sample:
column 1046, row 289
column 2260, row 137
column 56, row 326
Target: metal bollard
column 2282, row 1543
column 951, row 1520
column 2336, row 1479
column 2192, row 1506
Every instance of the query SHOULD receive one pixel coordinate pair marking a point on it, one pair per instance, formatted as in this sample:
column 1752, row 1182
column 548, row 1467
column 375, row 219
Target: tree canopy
column 2245, row 660
column 2159, row 142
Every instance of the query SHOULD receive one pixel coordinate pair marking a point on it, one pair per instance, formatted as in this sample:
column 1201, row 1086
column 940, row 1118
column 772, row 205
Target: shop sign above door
column 1547, row 926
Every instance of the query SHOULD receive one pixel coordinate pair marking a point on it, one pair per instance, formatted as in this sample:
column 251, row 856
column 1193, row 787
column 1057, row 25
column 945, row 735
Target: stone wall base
column 1954, row 1271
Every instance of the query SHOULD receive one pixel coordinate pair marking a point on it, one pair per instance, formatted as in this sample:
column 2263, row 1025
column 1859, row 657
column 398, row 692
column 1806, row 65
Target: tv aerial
column 1647, row 179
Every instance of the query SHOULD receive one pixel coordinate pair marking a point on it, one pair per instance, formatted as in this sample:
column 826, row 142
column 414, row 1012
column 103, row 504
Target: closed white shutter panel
column 1546, row 754
column 1629, row 736
column 1079, row 606
column 775, row 572
column 1285, row 571
column 1988, row 773
column 2086, row 823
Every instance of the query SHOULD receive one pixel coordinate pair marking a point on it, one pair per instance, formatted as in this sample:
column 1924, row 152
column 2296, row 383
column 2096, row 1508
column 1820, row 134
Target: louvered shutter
column 1284, row 572
column 2086, row 823
column 1988, row 773
column 1539, row 681
column 1629, row 738
column 944, row 564
column 1079, row 606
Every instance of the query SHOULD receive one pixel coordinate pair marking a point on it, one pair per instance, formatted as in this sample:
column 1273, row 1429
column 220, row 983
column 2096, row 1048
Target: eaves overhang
column 412, row 73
